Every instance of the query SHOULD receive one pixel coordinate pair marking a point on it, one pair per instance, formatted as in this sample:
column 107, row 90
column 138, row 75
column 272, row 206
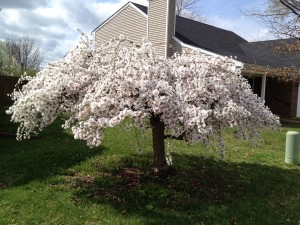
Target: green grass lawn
column 56, row 180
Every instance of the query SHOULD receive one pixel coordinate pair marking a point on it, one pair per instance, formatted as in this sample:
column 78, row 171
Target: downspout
column 263, row 87
column 167, row 30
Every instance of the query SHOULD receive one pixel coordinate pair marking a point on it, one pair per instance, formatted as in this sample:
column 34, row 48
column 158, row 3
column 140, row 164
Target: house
column 170, row 33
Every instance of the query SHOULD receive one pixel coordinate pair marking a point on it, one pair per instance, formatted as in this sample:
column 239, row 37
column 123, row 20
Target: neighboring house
column 171, row 33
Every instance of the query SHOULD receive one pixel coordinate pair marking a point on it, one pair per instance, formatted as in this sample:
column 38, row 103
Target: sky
column 54, row 24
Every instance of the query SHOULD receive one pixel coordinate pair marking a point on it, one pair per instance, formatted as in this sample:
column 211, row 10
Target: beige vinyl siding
column 128, row 22
column 171, row 26
column 177, row 47
column 185, row 48
column 157, row 19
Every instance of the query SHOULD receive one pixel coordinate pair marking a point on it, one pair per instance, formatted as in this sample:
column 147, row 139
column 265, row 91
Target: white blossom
column 194, row 94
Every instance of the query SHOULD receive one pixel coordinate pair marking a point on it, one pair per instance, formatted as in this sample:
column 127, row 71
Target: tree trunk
column 160, row 166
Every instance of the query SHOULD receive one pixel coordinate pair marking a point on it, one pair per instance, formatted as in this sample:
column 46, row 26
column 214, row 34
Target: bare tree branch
column 282, row 17
column 190, row 9
column 26, row 52
column 292, row 5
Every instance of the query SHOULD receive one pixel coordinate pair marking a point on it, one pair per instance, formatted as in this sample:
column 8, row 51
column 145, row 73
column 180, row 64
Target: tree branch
column 290, row 6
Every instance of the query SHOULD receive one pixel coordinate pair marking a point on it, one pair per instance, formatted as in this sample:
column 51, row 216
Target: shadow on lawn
column 56, row 151
column 199, row 191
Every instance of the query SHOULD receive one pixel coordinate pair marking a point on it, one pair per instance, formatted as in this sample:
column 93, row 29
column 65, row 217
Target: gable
column 129, row 21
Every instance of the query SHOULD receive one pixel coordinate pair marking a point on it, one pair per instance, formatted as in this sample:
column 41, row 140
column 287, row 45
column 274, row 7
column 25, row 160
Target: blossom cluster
column 193, row 94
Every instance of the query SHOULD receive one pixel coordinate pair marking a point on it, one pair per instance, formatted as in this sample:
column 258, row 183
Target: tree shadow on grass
column 199, row 191
column 53, row 153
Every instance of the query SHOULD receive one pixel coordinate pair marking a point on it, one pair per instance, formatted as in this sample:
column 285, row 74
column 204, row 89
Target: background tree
column 191, row 9
column 3, row 58
column 26, row 53
column 282, row 17
column 189, row 96
column 8, row 64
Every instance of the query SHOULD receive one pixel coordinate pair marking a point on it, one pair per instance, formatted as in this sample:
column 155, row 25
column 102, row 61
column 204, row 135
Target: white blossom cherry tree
column 191, row 96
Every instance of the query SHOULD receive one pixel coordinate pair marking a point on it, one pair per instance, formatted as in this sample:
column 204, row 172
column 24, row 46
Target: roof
column 226, row 43
column 143, row 8
column 264, row 54
column 201, row 35
column 208, row 37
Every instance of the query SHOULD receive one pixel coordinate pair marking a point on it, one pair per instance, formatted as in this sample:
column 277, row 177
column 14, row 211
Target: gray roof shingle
column 143, row 8
column 208, row 37
column 265, row 54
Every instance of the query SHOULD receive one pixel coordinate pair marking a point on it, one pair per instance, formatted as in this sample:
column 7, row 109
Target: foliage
column 3, row 57
column 26, row 52
column 283, row 74
column 193, row 95
column 8, row 65
column 18, row 56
